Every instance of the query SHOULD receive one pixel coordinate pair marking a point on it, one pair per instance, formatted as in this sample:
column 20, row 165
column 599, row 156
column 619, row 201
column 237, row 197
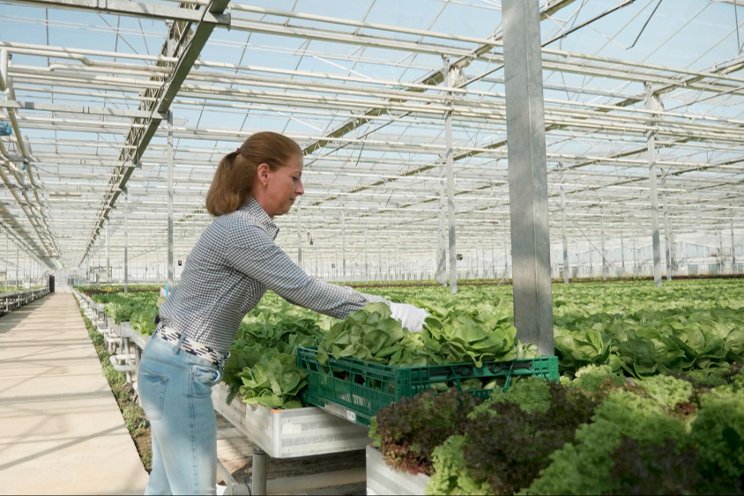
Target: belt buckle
column 172, row 337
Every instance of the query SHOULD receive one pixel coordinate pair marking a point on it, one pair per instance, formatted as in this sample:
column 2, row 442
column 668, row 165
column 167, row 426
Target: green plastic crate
column 357, row 389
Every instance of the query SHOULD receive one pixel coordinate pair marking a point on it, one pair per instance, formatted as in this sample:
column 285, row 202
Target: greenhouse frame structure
column 115, row 113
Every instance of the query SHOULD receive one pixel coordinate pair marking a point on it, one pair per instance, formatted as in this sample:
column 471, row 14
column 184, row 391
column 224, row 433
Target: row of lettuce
column 651, row 397
column 598, row 433
column 634, row 328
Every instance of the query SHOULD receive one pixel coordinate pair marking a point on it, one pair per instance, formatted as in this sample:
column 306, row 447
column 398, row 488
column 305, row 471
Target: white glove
column 409, row 316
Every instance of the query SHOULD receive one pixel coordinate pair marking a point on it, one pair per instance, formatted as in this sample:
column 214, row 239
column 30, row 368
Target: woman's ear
column 262, row 172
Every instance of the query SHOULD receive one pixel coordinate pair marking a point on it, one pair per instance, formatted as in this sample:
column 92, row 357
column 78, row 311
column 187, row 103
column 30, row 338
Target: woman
column 232, row 265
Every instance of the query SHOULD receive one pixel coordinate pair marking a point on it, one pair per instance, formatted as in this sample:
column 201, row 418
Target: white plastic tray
column 290, row 433
column 139, row 340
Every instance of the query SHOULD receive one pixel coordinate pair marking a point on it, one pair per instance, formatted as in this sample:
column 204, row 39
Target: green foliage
column 531, row 394
column 633, row 327
column 597, row 380
column 661, row 467
column 705, row 378
column 708, row 461
column 274, row 345
column 508, row 445
column 667, row 390
column 134, row 418
column 639, row 354
column 454, row 332
column 273, row 309
column 635, row 445
column 702, row 344
column 644, row 330
column 94, row 290
column 450, row 475
column 407, row 432
column 718, row 432
column 137, row 307
column 371, row 334
column 576, row 349
column 639, row 438
column 693, row 329
column 733, row 380
column 584, row 466
column 143, row 320
column 477, row 333
column 273, row 381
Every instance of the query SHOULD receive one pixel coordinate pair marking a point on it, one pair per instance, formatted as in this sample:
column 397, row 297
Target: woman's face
column 277, row 190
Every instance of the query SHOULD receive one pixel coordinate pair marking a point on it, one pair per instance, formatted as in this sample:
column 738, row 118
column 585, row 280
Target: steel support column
column 126, row 240
column 721, row 256
column 605, row 269
column 668, row 234
column 564, row 238
column 635, row 258
column 733, row 247
column 108, row 258
column 528, row 191
column 366, row 257
column 652, row 103
column 441, row 268
column 170, row 152
column 449, row 160
column 343, row 247
column 299, row 234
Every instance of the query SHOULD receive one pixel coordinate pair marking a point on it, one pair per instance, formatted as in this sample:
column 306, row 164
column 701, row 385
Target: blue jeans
column 175, row 389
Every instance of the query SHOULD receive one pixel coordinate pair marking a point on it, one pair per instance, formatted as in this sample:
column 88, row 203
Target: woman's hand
column 411, row 317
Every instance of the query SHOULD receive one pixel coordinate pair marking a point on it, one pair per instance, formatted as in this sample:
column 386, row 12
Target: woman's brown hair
column 233, row 179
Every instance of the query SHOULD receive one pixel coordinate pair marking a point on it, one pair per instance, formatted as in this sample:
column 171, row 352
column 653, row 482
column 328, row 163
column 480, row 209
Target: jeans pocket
column 203, row 378
column 152, row 387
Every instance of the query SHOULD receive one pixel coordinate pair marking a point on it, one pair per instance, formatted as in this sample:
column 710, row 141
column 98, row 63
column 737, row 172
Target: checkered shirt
column 230, row 268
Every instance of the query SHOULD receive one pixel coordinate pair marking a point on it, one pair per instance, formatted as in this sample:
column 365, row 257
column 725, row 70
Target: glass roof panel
column 362, row 86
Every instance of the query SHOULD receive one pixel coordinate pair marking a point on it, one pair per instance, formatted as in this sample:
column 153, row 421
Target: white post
column 18, row 264
column 652, row 103
column 668, row 235
column 448, row 139
column 126, row 241
column 720, row 253
column 108, row 258
column 528, row 191
column 366, row 258
column 564, row 238
column 602, row 241
column 343, row 246
column 171, row 267
column 299, row 234
column 733, row 247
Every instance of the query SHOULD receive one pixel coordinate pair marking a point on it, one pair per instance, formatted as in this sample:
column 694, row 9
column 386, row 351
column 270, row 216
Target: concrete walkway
column 61, row 431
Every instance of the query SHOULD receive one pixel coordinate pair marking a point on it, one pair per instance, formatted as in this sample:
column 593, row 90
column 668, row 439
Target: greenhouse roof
column 98, row 93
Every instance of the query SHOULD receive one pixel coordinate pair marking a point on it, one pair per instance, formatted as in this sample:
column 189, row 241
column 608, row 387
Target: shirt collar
column 254, row 209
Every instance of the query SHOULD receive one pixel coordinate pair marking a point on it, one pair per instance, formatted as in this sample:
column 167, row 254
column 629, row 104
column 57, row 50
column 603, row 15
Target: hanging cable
column 643, row 28
column 736, row 21
column 555, row 38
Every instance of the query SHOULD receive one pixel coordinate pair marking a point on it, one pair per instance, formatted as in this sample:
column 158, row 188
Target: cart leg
column 258, row 481
column 233, row 488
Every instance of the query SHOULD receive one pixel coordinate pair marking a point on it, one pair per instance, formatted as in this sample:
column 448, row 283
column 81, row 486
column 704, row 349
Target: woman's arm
column 262, row 260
